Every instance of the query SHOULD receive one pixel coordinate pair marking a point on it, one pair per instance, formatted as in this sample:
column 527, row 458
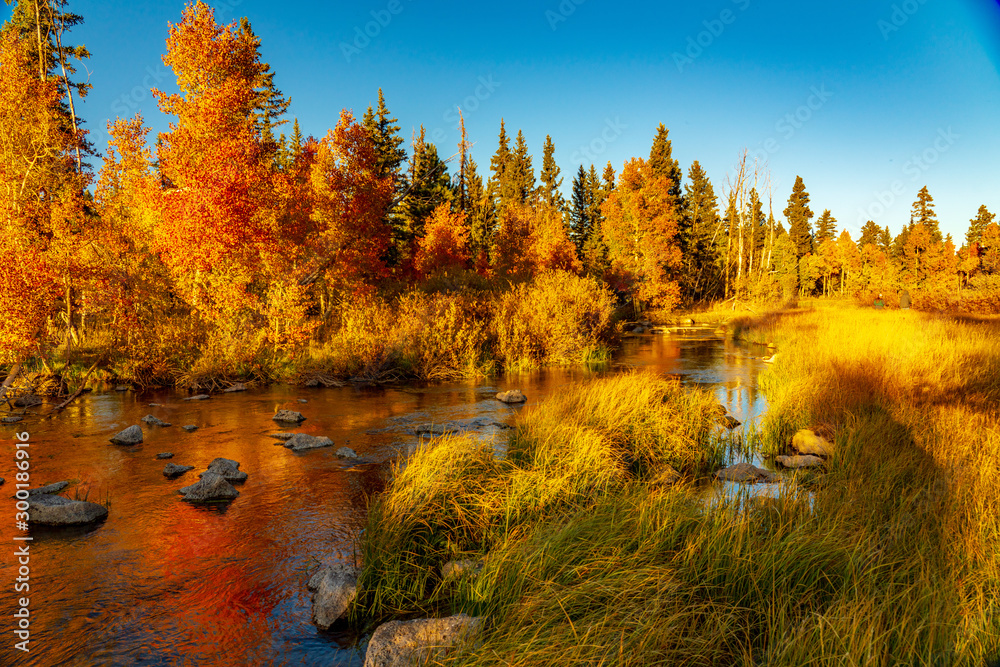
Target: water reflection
column 163, row 582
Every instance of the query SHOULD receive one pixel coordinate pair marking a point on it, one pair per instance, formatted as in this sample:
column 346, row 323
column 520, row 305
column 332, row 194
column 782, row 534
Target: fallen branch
column 14, row 372
column 83, row 385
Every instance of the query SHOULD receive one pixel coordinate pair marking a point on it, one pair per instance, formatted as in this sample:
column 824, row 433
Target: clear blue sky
column 859, row 97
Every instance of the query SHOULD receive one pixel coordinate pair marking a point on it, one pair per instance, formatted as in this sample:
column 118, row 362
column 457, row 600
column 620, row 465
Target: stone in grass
column 730, row 422
column 227, row 468
column 51, row 510
column 747, row 473
column 165, row 455
column 48, row 489
column 346, row 453
column 807, row 442
column 173, row 470
column 300, row 442
column 130, row 436
column 211, row 487
column 512, row 396
column 334, row 588
column 190, row 428
column 154, row 421
column 419, row 641
column 288, row 417
column 807, row 461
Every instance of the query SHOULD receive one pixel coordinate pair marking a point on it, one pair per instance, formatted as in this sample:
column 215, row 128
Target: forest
column 232, row 247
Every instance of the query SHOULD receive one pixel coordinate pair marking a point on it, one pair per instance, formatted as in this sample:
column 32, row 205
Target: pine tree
column 596, row 197
column 479, row 212
column 758, row 230
column 885, row 240
column 826, row 228
column 580, row 209
column 428, row 187
column 978, row 225
column 522, row 173
column 384, row 132
column 700, row 271
column 798, row 215
column 870, row 233
column 924, row 214
column 500, row 187
column 662, row 163
column 551, row 180
column 608, row 179
column 296, row 143
column 270, row 105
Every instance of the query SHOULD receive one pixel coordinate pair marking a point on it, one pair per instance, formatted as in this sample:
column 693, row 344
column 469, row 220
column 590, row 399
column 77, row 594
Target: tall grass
column 889, row 558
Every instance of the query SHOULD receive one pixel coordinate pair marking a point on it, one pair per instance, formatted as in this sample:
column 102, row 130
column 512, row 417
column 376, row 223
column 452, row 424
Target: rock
column 436, row 429
column 335, row 587
column 1, row 481
column 199, row 397
column 156, row 405
column 807, row 442
column 228, row 468
column 165, row 455
column 346, row 453
column 454, row 569
column 282, row 436
column 51, row 510
column 512, row 396
column 730, row 422
column 130, row 436
column 48, row 489
column 122, row 387
column 11, row 420
column 639, row 330
column 799, row 461
column 154, row 421
column 173, row 470
column 239, row 386
column 190, row 428
column 667, row 476
column 721, row 409
column 745, row 472
column 289, row 417
column 302, row 400
column 399, row 643
column 27, row 401
column 209, row 488
column 300, row 442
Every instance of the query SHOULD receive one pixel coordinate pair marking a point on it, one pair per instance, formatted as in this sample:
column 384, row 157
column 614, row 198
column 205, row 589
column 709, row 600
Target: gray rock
column 165, row 455
column 284, row 437
column 238, row 387
column 51, row 510
column 228, row 469
column 288, row 417
column 639, row 330
column 211, row 487
column 334, row 588
column 399, row 643
column 48, row 489
column 11, row 420
column 346, row 453
column 154, row 421
column 173, row 470
column 199, row 397
column 455, row 569
column 27, row 401
column 190, row 428
column 1, row 481
column 512, row 396
column 302, row 400
column 301, row 442
column 745, row 472
column 122, row 387
column 156, row 405
column 799, row 461
column 130, row 436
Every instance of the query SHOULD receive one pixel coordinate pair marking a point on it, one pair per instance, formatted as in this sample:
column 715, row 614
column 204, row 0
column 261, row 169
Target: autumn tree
column 826, row 227
column 444, row 245
column 924, row 214
column 640, row 229
column 870, row 233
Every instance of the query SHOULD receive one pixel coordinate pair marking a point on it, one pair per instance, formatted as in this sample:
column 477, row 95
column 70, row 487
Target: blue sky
column 867, row 100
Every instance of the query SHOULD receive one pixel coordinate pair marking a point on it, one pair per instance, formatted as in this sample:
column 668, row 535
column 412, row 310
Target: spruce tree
column 580, row 209
column 870, row 233
column 826, row 227
column 269, row 104
column 500, row 188
column 479, row 211
column 662, row 163
column 550, row 178
column 296, row 143
column 596, row 197
column 522, row 173
column 429, row 185
column 978, row 224
column 758, row 228
column 924, row 214
column 798, row 215
column 384, row 131
column 608, row 179
column 700, row 261
column 885, row 240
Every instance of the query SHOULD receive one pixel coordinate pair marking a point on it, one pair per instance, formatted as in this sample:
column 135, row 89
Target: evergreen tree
column 269, row 105
column 384, row 131
column 296, row 143
column 662, row 163
column 924, row 214
column 596, row 197
column 870, row 233
column 826, row 228
column 885, row 240
column 429, row 186
column 608, row 179
column 798, row 215
column 479, row 211
column 500, row 187
column 580, row 208
column 700, row 270
column 978, row 225
column 551, row 180
column 522, row 173
column 900, row 242
column 758, row 229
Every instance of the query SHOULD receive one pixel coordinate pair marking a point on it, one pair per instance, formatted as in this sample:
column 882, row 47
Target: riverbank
column 889, row 556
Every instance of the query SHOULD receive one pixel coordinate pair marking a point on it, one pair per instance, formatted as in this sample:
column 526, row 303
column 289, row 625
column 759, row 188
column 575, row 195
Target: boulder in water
column 334, row 588
column 233, row 389
column 398, row 643
column 301, row 442
column 346, row 453
column 512, row 396
column 807, row 461
column 198, row 397
column 130, row 436
column 154, row 421
column 228, row 468
column 211, row 487
column 747, row 473
column 49, row 510
column 288, row 417
column 173, row 470
column 48, row 489
column 807, row 442
column 190, row 428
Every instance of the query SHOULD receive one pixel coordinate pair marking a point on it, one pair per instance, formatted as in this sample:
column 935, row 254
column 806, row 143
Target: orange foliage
column 551, row 248
column 445, row 242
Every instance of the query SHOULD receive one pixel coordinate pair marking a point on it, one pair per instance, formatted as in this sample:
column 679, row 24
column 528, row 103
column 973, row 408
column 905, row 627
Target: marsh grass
column 890, row 557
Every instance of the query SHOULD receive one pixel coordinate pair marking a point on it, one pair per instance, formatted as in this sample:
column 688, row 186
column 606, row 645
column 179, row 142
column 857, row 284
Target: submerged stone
column 512, row 396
